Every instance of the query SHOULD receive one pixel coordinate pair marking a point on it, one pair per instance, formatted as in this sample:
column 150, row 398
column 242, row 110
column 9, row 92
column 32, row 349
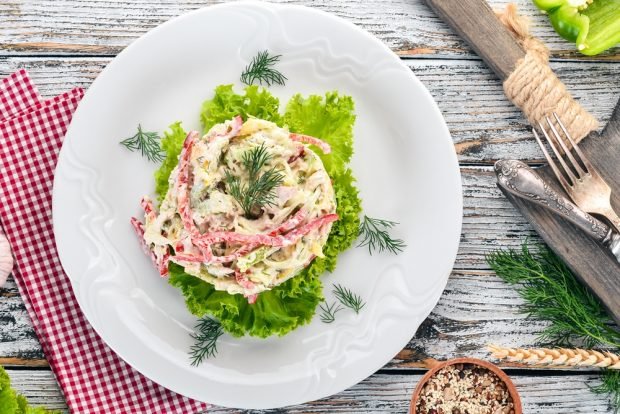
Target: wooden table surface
column 66, row 43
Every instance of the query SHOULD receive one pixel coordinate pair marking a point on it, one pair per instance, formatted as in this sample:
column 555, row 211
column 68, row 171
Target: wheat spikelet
column 557, row 356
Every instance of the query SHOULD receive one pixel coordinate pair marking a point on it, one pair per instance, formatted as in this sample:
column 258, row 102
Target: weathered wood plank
column 489, row 220
column 25, row 362
column 18, row 342
column 72, row 27
column 476, row 307
column 380, row 393
column 485, row 126
column 39, row 387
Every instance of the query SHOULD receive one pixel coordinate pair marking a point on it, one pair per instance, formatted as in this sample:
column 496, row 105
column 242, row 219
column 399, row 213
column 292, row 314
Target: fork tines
column 579, row 164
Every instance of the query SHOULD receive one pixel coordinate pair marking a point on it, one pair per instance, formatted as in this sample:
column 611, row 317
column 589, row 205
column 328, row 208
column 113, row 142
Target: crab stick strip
column 324, row 146
column 160, row 262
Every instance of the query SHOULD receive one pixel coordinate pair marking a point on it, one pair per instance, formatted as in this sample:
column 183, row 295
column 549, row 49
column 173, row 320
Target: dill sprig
column 261, row 69
column 375, row 235
column 256, row 193
column 610, row 385
column 260, row 188
column 348, row 298
column 255, row 159
column 328, row 312
column 147, row 143
column 207, row 333
column 551, row 292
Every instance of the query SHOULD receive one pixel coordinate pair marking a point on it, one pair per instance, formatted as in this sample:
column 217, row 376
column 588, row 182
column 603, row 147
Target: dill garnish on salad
column 251, row 211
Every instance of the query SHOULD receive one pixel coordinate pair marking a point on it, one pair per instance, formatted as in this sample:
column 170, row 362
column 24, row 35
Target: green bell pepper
column 594, row 25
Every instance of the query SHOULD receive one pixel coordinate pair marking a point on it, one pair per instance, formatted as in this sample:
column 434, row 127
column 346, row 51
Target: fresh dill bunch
column 375, row 235
column 260, row 189
column 348, row 298
column 551, row 292
column 261, row 69
column 328, row 312
column 147, row 143
column 207, row 333
column 610, row 385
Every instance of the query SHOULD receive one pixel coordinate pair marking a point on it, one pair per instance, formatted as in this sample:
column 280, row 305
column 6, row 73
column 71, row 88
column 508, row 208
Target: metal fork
column 580, row 180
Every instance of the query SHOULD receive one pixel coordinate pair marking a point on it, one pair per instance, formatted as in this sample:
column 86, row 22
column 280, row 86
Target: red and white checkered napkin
column 93, row 378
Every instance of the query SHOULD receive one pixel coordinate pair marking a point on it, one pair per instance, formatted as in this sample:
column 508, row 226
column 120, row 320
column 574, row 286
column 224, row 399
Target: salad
column 254, row 210
column 248, row 207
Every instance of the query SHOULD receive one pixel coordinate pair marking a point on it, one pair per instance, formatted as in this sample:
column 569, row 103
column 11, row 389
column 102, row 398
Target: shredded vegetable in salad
column 249, row 206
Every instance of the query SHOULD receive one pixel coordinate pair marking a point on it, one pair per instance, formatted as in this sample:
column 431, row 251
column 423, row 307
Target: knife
column 523, row 182
column 477, row 24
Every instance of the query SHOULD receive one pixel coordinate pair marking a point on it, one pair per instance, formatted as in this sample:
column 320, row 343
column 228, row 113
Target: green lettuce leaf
column 276, row 312
column 8, row 397
column 329, row 118
column 38, row 410
column 289, row 305
column 171, row 144
column 22, row 405
column 344, row 230
column 226, row 104
column 293, row 303
column 14, row 403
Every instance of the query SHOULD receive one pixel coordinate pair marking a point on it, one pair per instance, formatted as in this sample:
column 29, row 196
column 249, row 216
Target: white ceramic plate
column 404, row 161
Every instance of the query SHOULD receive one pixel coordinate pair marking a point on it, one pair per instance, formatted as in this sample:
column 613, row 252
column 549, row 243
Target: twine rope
column 534, row 87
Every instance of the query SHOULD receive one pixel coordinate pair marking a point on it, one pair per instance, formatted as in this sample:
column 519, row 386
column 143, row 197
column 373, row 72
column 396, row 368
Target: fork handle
column 612, row 218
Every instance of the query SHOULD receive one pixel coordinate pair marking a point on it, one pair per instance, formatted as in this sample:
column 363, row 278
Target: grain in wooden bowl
column 465, row 386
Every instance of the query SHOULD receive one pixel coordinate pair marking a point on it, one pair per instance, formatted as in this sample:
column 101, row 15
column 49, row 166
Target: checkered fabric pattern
column 17, row 94
column 93, row 378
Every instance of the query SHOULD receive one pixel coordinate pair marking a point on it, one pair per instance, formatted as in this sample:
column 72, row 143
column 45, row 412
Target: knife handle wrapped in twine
column 533, row 86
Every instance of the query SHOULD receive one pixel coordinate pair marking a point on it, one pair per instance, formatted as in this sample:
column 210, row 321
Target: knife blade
column 522, row 181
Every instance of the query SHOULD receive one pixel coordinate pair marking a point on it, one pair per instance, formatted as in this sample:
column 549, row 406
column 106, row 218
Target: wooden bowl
column 512, row 390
